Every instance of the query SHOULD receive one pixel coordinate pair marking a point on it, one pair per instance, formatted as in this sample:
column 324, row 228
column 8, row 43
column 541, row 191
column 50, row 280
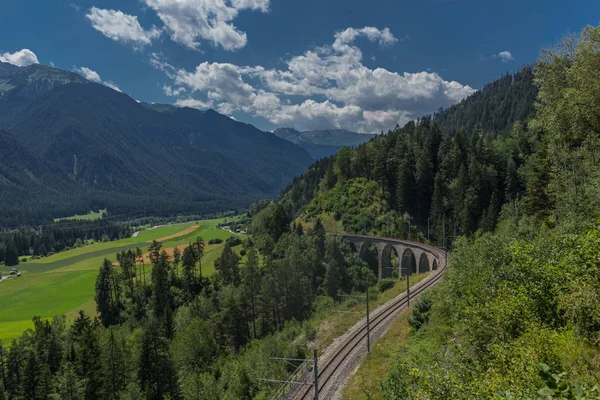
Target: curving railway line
column 327, row 367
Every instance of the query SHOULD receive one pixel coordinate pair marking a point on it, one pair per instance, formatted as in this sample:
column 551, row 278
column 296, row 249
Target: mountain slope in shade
column 108, row 150
column 323, row 143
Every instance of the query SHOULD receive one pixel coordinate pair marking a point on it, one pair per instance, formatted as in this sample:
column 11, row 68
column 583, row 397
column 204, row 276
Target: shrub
column 386, row 284
column 233, row 241
column 421, row 311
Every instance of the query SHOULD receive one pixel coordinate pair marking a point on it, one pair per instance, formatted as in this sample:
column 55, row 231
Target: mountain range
column 323, row 143
column 68, row 145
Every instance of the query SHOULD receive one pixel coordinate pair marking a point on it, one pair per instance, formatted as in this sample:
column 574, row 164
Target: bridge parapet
column 427, row 257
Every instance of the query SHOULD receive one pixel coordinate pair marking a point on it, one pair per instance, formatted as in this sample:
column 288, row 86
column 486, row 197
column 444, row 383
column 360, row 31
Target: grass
column 365, row 382
column 332, row 326
column 64, row 282
column 91, row 216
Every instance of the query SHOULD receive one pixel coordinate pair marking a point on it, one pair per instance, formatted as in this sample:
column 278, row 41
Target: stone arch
column 409, row 262
column 388, row 264
column 435, row 265
column 369, row 253
column 423, row 264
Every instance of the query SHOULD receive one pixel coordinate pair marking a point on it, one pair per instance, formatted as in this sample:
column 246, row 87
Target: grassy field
column 64, row 283
column 91, row 216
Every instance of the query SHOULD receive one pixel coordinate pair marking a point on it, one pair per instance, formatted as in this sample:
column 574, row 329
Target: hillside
column 323, row 143
column 508, row 181
column 105, row 146
column 431, row 154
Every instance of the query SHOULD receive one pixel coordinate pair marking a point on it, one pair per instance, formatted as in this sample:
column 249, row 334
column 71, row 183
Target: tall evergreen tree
column 228, row 266
column 107, row 294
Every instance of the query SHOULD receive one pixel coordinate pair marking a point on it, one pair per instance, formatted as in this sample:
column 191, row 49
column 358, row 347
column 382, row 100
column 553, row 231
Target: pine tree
column 198, row 247
column 405, row 187
column 89, row 363
column 68, row 385
column 176, row 260
column 490, row 215
column 228, row 266
column 156, row 373
column 107, row 297
column 31, row 376
column 252, row 284
column 113, row 366
column 188, row 265
column 334, row 274
column 161, row 292
column 320, row 235
column 11, row 257
column 424, row 184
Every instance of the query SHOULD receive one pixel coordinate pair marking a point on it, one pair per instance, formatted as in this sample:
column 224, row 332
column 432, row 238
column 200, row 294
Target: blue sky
column 359, row 65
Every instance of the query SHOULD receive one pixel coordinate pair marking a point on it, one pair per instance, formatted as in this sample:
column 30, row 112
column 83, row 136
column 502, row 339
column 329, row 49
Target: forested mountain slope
column 517, row 315
column 105, row 146
column 493, row 109
column 429, row 169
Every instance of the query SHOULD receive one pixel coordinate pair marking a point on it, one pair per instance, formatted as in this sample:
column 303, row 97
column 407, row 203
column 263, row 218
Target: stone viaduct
column 412, row 257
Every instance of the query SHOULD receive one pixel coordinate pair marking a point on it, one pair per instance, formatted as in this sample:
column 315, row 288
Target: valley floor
column 64, row 282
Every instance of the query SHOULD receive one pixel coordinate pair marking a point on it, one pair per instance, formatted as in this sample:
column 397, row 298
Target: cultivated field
column 64, row 283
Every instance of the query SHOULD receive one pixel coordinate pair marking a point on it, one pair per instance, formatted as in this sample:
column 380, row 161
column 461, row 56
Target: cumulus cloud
column 505, row 56
column 189, row 21
column 169, row 91
column 93, row 76
column 21, row 58
column 121, row 27
column 335, row 88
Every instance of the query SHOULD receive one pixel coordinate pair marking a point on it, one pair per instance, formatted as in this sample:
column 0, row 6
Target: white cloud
column 169, row 91
column 505, row 56
column 188, row 21
column 335, row 88
column 21, row 58
column 193, row 103
column 348, row 36
column 121, row 27
column 93, row 76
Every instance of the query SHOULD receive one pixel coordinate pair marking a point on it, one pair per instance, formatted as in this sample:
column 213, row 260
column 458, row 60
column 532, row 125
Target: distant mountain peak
column 325, row 142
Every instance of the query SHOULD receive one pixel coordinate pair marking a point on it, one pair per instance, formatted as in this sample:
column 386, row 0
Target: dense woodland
column 517, row 313
column 418, row 173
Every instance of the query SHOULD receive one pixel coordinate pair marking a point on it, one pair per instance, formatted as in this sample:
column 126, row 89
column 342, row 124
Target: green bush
column 386, row 284
column 421, row 311
column 233, row 241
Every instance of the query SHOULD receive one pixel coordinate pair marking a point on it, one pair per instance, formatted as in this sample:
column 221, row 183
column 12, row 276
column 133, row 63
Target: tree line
column 56, row 237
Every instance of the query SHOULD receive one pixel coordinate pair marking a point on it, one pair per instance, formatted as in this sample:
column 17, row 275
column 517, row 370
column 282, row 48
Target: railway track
column 327, row 368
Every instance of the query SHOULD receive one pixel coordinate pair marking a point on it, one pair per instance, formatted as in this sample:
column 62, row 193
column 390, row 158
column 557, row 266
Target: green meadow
column 91, row 216
column 64, row 282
